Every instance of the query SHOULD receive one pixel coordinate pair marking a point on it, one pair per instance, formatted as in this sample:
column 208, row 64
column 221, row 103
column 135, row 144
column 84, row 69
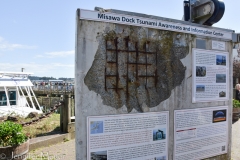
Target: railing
column 54, row 88
column 67, row 109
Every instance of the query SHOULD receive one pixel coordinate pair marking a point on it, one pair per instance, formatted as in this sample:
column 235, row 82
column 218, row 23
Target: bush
column 11, row 134
column 236, row 103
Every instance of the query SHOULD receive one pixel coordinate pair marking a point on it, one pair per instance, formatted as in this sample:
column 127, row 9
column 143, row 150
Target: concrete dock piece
column 46, row 141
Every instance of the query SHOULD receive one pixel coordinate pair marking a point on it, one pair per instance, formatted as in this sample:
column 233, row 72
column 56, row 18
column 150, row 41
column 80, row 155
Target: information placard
column 141, row 136
column 210, row 76
column 218, row 45
column 200, row 133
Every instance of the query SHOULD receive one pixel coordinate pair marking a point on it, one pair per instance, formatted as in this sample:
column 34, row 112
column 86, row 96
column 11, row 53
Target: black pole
column 186, row 5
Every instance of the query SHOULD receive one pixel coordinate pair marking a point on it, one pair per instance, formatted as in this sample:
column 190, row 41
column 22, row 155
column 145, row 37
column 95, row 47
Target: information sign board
column 141, row 136
column 200, row 133
column 210, row 76
column 218, row 45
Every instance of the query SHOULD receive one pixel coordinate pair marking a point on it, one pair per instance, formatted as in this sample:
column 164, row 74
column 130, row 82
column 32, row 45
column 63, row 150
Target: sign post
column 151, row 88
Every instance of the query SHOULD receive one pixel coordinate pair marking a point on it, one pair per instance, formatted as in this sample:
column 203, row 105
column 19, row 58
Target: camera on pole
column 205, row 12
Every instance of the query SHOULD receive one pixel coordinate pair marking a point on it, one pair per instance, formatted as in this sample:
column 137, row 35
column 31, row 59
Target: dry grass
column 46, row 126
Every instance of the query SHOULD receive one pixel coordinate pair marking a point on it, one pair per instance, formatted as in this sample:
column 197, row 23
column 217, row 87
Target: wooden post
column 42, row 103
column 73, row 106
column 50, row 84
column 44, row 86
column 65, row 113
column 69, row 108
column 61, row 117
column 50, row 101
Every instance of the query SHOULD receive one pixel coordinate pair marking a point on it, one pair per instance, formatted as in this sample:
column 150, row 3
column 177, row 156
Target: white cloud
column 56, row 54
column 62, row 65
column 4, row 45
column 39, row 56
column 1, row 39
column 61, row 53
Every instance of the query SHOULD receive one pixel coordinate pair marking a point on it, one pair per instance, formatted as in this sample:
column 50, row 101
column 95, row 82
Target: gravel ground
column 60, row 151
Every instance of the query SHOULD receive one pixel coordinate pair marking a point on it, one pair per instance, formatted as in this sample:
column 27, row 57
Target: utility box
column 151, row 88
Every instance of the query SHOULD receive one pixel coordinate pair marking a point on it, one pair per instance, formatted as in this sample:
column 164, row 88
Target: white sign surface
column 200, row 133
column 153, row 23
column 210, row 76
column 218, row 45
column 141, row 136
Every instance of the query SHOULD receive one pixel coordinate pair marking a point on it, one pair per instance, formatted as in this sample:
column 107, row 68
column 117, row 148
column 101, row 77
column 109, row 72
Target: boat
column 16, row 95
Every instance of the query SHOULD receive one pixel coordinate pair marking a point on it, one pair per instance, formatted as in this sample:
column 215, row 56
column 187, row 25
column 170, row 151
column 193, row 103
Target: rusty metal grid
column 116, row 50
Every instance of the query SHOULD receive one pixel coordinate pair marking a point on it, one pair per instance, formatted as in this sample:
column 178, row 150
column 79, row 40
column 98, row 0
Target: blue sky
column 39, row 35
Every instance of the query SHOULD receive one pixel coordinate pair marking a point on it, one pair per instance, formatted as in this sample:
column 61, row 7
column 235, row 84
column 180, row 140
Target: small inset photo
column 99, row 155
column 200, row 88
column 222, row 94
column 220, row 60
column 96, row 127
column 219, row 116
column 220, row 78
column 160, row 158
column 200, row 71
column 159, row 134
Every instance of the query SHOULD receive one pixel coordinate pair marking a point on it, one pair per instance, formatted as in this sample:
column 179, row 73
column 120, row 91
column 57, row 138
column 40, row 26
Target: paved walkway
column 60, row 151
column 236, row 140
column 66, row 150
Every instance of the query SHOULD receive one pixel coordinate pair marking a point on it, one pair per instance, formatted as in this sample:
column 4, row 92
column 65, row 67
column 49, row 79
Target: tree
column 236, row 66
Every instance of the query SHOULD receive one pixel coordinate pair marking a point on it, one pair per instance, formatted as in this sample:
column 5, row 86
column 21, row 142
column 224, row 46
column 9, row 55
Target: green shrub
column 236, row 103
column 11, row 134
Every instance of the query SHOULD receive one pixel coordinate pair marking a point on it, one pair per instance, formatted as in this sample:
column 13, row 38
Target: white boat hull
column 17, row 111
column 16, row 95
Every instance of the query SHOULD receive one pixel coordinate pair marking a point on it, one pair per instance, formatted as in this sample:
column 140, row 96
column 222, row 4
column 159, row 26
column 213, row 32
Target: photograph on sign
column 200, row 133
column 200, row 71
column 96, row 127
column 219, row 115
column 159, row 134
column 221, row 60
column 100, row 155
column 210, row 76
column 160, row 158
column 139, row 136
column 200, row 88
